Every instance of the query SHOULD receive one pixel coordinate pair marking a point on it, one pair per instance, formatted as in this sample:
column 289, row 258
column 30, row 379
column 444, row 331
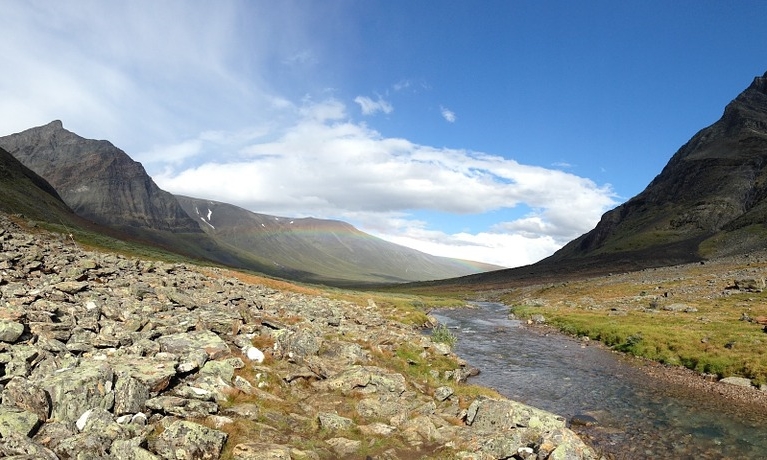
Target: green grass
column 626, row 314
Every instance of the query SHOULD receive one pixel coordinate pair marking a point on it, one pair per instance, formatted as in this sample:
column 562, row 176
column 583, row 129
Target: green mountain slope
column 320, row 250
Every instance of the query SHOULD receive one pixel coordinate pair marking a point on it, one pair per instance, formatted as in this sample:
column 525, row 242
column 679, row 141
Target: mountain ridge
column 100, row 183
column 328, row 248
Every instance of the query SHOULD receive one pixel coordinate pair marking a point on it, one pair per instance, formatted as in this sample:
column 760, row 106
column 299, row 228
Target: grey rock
column 188, row 440
column 261, row 451
column 500, row 414
column 737, row 381
column 17, row 445
column 185, row 343
column 182, row 407
column 442, row 393
column 344, row 446
column 75, row 390
column 334, row 422
column 130, row 395
column 26, row 395
column 10, row 331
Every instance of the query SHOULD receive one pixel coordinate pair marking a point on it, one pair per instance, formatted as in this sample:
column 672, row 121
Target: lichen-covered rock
column 18, row 421
column 185, row 343
column 130, row 395
column 182, row 407
column 75, row 390
column 184, row 440
column 260, row 451
column 26, row 395
column 365, row 379
column 502, row 414
column 334, row 422
column 563, row 444
column 344, row 446
column 19, row 446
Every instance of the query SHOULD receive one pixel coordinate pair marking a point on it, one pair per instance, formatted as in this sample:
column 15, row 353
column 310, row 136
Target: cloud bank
column 324, row 164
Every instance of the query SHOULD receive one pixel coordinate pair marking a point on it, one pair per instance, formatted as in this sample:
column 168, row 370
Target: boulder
column 485, row 414
column 184, row 343
column 184, row 440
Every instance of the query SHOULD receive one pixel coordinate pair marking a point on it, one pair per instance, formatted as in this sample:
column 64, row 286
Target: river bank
column 620, row 405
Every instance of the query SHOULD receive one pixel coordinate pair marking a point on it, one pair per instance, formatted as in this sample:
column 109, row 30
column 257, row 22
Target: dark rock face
column 97, row 180
column 716, row 183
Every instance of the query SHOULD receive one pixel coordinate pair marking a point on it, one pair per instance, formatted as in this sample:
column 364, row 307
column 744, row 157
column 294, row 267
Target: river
column 637, row 416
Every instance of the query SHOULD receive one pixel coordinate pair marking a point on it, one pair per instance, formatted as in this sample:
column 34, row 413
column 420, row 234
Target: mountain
column 97, row 180
column 709, row 201
column 25, row 192
column 317, row 250
column 113, row 194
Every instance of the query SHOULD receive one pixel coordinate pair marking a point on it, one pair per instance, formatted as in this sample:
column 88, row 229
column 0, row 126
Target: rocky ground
column 110, row 357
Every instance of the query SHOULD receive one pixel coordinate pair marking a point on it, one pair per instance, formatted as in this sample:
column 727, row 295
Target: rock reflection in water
column 630, row 414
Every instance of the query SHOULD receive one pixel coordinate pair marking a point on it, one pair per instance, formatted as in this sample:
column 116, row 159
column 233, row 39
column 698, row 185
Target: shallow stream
column 637, row 416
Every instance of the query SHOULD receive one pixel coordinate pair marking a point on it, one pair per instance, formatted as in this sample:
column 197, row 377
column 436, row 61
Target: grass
column 632, row 313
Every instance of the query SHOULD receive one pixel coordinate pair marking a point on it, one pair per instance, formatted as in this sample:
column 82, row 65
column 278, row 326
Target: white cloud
column 447, row 114
column 325, row 165
column 370, row 107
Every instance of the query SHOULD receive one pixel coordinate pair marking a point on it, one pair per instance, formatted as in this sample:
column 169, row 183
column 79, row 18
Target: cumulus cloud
column 326, row 165
column 447, row 114
column 370, row 107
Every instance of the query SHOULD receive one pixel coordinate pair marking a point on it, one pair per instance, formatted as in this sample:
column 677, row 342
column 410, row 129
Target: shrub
column 441, row 334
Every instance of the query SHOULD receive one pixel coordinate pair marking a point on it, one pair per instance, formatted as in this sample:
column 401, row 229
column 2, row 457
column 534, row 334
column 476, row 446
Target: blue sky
column 494, row 131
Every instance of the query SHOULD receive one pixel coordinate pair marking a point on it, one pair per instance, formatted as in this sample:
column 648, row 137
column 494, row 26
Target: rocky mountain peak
column 97, row 180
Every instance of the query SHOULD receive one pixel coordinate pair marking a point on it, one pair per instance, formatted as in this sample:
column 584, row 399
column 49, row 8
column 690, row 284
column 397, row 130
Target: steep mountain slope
column 24, row 192
column 97, row 180
column 709, row 200
column 319, row 250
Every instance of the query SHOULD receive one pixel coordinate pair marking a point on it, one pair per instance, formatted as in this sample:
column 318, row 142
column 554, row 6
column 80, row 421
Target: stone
column 442, row 393
column 130, row 395
column 497, row 414
column 260, row 451
column 334, row 422
column 344, row 446
column 182, row 407
column 10, row 331
column 26, row 395
column 254, row 354
column 566, row 446
column 184, row 343
column 16, row 445
column 737, row 381
column 75, row 390
column 187, row 440
column 18, row 421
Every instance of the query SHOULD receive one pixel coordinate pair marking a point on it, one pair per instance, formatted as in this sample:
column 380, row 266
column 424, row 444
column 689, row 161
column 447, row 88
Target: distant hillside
column 320, row 250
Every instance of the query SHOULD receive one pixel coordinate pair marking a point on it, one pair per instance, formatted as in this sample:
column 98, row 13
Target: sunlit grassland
column 686, row 315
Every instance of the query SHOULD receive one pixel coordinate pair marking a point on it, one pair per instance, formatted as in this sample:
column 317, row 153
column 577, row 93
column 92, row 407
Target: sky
column 494, row 131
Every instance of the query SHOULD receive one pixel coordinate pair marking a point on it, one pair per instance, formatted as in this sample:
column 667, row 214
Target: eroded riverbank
column 640, row 411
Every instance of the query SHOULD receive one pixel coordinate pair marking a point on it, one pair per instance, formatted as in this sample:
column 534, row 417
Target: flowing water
column 637, row 416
